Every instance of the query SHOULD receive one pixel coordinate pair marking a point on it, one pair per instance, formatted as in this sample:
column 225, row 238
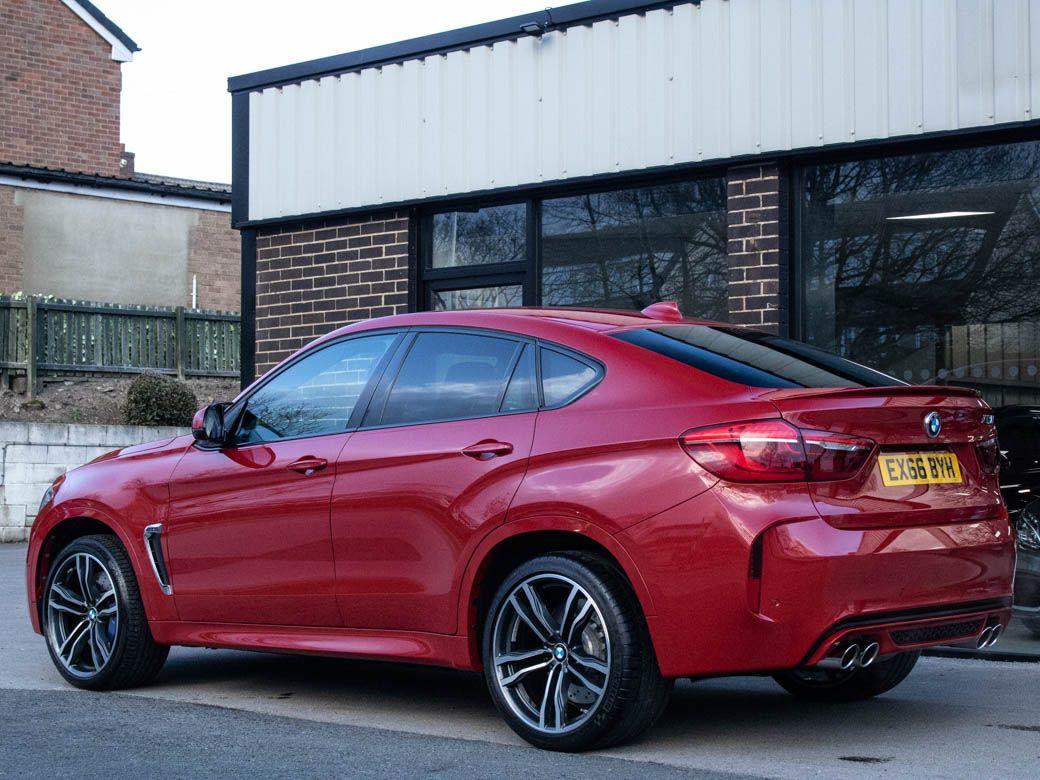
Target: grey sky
column 176, row 110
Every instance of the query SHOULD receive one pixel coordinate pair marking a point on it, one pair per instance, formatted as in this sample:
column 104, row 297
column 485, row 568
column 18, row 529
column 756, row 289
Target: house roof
column 453, row 40
column 139, row 182
column 123, row 46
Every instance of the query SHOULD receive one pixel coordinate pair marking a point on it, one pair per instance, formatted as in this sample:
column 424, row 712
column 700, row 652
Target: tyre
column 836, row 685
column 1033, row 625
column 567, row 655
column 93, row 619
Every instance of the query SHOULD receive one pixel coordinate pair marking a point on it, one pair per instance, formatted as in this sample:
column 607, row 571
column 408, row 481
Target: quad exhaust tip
column 852, row 656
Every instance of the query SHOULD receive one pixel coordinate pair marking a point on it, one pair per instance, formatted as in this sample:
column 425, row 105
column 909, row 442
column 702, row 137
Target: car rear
column 870, row 509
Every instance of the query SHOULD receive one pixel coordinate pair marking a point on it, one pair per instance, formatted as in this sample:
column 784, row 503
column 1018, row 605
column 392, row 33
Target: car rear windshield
column 754, row 359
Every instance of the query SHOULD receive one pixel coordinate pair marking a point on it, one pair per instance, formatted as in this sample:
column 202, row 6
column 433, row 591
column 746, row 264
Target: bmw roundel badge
column 932, row 424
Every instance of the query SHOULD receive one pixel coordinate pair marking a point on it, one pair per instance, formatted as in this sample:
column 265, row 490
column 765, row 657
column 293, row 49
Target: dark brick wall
column 757, row 246
column 59, row 90
column 214, row 256
column 314, row 278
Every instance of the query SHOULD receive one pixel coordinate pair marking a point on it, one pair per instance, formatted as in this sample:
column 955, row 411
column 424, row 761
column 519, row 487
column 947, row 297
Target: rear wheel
column 567, row 655
column 836, row 685
column 93, row 619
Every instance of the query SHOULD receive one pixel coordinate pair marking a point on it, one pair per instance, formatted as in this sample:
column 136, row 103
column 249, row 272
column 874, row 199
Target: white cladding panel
column 696, row 83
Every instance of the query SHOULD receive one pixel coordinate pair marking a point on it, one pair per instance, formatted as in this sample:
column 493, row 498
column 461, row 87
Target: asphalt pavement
column 230, row 714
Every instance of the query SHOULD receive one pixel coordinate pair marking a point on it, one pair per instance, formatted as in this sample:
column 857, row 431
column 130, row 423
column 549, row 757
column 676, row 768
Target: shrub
column 154, row 399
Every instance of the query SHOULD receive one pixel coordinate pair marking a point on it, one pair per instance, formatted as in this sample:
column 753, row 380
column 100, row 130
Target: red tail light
column 775, row 451
column 989, row 455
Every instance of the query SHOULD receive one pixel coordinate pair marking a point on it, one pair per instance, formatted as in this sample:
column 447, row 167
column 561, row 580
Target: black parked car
column 1018, row 429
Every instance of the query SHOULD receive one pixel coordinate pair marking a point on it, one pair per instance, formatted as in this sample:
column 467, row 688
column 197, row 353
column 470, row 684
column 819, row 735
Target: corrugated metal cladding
column 694, row 83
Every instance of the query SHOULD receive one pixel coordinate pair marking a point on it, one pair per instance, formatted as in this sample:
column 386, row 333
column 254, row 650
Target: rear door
column 442, row 452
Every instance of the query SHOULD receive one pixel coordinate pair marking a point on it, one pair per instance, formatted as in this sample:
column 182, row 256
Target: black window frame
column 233, row 413
column 377, row 400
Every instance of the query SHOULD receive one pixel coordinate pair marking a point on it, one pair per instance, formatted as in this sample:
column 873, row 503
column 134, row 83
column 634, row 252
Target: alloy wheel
column 551, row 653
column 82, row 615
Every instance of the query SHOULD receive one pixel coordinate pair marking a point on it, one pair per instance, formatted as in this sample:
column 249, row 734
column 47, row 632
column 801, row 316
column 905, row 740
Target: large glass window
column 624, row 248
column 315, row 395
column 927, row 266
column 629, row 248
column 450, row 375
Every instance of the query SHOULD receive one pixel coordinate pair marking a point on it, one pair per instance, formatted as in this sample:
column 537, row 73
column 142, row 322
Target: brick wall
column 311, row 279
column 757, row 247
column 214, row 255
column 10, row 242
column 59, row 90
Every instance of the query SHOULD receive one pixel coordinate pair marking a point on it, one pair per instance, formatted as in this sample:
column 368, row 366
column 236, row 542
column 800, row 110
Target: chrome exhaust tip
column 994, row 634
column 868, row 655
column 848, row 657
column 984, row 638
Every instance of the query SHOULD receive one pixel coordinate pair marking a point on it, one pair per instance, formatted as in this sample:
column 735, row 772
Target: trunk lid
column 894, row 417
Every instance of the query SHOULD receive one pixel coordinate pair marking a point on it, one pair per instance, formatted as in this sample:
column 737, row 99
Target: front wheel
column 835, row 685
column 567, row 655
column 93, row 619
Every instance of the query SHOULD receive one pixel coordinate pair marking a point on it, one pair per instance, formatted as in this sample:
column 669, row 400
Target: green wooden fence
column 37, row 334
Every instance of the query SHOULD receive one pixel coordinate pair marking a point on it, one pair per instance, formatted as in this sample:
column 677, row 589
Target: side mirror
column 208, row 424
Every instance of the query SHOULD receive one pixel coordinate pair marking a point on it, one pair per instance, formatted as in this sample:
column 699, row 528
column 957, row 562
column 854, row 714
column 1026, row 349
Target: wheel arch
column 514, row 543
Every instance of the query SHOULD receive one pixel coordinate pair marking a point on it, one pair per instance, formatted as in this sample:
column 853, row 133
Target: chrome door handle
column 308, row 466
column 485, row 450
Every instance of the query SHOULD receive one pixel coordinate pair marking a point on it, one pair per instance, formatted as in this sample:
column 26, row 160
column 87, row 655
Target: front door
column 444, row 450
column 248, row 536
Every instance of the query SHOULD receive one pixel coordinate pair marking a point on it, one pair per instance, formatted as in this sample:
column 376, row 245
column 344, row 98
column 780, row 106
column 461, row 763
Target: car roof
column 518, row 318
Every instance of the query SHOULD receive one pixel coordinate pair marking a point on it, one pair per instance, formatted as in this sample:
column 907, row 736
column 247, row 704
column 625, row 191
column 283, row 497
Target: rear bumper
column 817, row 583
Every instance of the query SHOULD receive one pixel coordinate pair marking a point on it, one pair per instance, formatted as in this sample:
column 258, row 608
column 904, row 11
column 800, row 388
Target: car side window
column 522, row 393
column 564, row 377
column 448, row 376
column 314, row 396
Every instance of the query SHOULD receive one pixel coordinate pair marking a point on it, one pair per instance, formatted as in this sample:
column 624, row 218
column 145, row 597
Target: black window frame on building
column 528, row 273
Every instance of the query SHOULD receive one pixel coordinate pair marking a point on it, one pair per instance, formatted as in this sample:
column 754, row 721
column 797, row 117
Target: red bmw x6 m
column 585, row 505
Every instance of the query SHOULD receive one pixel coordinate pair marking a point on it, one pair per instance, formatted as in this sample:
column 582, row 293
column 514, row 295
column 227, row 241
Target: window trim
column 356, row 415
column 389, row 376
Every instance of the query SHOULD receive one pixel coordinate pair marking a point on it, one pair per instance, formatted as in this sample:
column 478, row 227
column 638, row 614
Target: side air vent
column 153, row 543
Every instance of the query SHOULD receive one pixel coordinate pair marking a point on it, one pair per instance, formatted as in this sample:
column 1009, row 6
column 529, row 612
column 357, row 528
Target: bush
column 154, row 399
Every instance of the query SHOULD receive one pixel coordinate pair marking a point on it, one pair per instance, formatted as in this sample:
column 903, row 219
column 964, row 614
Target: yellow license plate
column 919, row 468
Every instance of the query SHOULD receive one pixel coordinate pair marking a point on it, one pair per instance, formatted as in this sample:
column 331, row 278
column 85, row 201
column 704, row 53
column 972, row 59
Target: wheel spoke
column 519, row 675
column 588, row 662
column 531, row 621
column 108, row 594
column 83, row 576
column 95, row 655
column 514, row 658
column 579, row 618
column 596, row 689
column 68, row 648
column 58, row 590
column 560, row 698
column 551, row 681
column 541, row 613
column 61, row 607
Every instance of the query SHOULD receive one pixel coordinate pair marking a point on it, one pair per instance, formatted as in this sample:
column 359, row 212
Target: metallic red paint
column 383, row 552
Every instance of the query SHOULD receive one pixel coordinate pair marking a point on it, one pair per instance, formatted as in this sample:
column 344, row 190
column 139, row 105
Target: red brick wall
column 59, row 90
column 315, row 278
column 756, row 241
column 10, row 242
column 215, row 256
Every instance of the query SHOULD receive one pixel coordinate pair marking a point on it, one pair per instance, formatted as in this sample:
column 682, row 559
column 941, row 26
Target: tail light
column 989, row 455
column 775, row 451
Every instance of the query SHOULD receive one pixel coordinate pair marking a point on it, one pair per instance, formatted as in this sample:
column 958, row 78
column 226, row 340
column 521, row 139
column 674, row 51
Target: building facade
column 864, row 176
column 76, row 220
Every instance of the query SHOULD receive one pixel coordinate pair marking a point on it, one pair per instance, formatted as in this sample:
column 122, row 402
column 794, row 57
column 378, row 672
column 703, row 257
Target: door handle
column 308, row 465
column 485, row 450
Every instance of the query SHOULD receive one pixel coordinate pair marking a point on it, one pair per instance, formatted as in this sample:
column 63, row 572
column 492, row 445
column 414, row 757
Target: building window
column 927, row 266
column 623, row 248
column 629, row 248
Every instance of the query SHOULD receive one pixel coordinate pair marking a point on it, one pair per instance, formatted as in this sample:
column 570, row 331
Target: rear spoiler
column 870, row 392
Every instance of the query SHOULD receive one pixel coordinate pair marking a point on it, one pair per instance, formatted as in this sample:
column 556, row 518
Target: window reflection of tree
column 478, row 298
column 947, row 300
column 492, row 235
column 630, row 248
